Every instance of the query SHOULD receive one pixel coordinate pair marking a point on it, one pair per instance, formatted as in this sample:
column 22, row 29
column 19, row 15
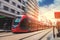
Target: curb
column 1, row 31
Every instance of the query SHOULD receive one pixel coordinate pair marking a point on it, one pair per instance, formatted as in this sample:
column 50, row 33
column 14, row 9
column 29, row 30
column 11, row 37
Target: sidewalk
column 56, row 38
column 1, row 30
column 50, row 35
column 4, row 30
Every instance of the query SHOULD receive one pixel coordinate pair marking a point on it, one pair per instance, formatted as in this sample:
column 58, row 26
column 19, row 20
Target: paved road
column 49, row 36
column 56, row 38
column 38, row 35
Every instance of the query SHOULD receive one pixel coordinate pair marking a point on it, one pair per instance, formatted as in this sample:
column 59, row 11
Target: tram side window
column 23, row 24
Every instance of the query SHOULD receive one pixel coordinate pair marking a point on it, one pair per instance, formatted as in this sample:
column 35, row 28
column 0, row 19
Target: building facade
column 9, row 9
column 32, row 8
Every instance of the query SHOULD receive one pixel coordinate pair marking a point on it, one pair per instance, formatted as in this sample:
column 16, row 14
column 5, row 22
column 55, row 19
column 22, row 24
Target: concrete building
column 32, row 8
column 9, row 9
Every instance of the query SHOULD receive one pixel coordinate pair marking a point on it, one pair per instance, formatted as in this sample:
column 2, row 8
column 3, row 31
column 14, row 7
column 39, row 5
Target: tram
column 26, row 24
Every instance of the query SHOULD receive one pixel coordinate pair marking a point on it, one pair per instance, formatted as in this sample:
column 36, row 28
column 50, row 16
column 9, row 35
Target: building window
column 12, row 10
column 18, row 13
column 24, row 2
column 23, row 8
column 7, row 0
column 6, row 8
column 18, row 6
column 19, row 0
column 14, row 3
column 0, row 4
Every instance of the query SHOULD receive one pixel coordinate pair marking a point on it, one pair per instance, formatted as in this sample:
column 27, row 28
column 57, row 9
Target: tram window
column 23, row 24
column 17, row 20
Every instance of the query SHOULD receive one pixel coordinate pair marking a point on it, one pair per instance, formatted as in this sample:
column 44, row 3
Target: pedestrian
column 5, row 27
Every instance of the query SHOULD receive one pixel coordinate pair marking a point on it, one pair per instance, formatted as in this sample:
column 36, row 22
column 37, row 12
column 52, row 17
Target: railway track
column 25, row 36
column 36, row 34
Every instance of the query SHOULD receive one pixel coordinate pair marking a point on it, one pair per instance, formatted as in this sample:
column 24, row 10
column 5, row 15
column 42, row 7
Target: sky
column 48, row 7
column 45, row 2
